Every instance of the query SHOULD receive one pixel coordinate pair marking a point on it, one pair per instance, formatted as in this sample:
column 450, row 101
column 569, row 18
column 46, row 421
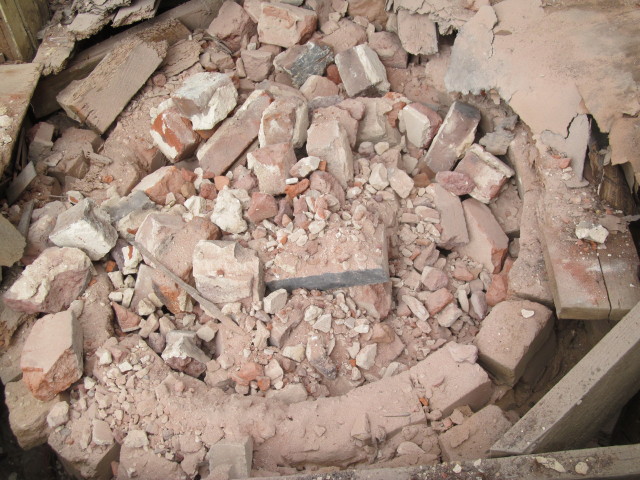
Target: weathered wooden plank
column 579, row 404
column 16, row 88
column 15, row 33
column 98, row 99
column 620, row 263
column 172, row 25
column 622, row 462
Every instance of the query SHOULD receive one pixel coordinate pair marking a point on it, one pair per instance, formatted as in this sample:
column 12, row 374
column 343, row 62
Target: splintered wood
column 17, row 86
column 98, row 99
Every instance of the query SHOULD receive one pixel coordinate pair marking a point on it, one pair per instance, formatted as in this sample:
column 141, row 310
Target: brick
column 452, row 219
column 347, row 34
column 488, row 244
column 300, row 62
column 100, row 97
column 362, row 72
column 167, row 291
column 257, row 64
column 455, row 136
column 508, row 209
column 237, row 455
column 389, row 49
column 271, row 165
column 165, row 180
column 342, row 115
column 262, row 206
column 12, row 243
column 488, row 173
column 146, row 464
column 96, row 319
column 329, row 142
column 456, row 182
column 438, row 300
column 285, row 25
column 507, row 341
column 27, row 415
column 400, row 182
column 317, row 86
column 170, row 238
column 421, row 124
column 226, row 272
column 474, row 437
column 232, row 25
column 235, row 134
column 127, row 320
column 453, row 383
column 173, row 134
column 285, row 120
column 51, row 282
column 43, row 221
column 52, row 356
column 340, row 261
column 417, row 33
column 85, row 226
column 206, row 99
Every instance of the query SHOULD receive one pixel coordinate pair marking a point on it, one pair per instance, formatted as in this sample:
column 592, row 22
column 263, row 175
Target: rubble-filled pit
column 292, row 250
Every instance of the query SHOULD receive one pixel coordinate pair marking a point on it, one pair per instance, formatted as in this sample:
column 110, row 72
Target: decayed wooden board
column 573, row 411
column 21, row 20
column 16, row 88
column 619, row 262
column 610, row 463
column 172, row 25
column 98, row 99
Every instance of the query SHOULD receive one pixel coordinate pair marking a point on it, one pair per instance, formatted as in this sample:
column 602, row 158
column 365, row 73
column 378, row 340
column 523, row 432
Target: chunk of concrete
column 417, row 33
column 51, row 282
column 226, row 272
column 473, row 438
column 455, row 136
column 86, row 226
column 271, row 165
column 487, row 171
column 182, row 354
column 362, row 72
column 285, row 25
column 341, row 260
column 52, row 357
column 510, row 336
column 227, row 212
column 27, row 415
column 206, row 99
column 487, row 244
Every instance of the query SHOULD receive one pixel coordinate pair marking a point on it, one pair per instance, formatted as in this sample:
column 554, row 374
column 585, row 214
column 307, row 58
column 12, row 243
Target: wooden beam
column 573, row 411
column 620, row 463
column 172, row 25
column 21, row 20
column 16, row 88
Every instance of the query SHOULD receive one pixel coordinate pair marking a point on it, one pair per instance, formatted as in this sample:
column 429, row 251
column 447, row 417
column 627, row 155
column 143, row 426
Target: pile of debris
column 275, row 248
